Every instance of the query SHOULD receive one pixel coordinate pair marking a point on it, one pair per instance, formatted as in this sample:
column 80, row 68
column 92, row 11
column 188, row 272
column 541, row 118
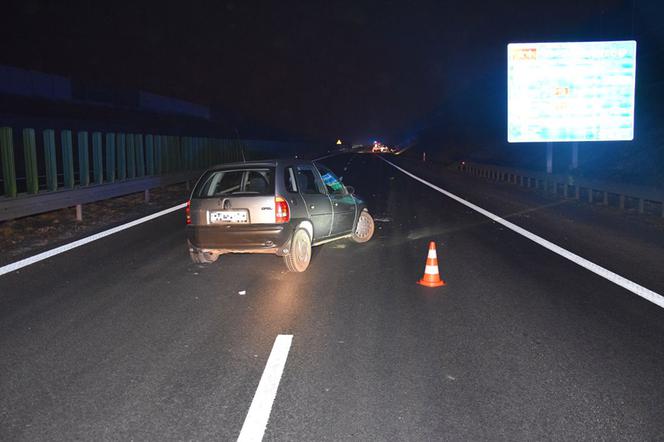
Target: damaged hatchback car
column 283, row 207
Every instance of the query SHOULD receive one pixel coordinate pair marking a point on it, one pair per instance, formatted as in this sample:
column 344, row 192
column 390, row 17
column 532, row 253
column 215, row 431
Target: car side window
column 332, row 183
column 289, row 178
column 307, row 181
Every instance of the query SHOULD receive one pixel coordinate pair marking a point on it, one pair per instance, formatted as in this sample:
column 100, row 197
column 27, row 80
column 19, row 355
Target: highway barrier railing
column 66, row 169
column 623, row 196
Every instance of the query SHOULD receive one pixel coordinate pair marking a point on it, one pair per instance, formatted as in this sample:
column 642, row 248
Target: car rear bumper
column 257, row 238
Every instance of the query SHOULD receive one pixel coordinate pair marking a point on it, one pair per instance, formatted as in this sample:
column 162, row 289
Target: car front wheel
column 300, row 253
column 364, row 229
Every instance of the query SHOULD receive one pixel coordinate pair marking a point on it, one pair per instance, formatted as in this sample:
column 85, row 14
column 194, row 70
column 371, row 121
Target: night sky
column 354, row 70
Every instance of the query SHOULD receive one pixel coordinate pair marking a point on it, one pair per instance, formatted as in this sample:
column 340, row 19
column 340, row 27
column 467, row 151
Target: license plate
column 229, row 216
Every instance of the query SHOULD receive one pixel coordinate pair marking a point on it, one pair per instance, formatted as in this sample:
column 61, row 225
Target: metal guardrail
column 26, row 205
column 622, row 196
column 85, row 167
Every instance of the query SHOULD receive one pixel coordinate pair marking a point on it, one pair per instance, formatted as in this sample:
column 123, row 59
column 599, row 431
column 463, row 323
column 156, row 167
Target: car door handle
column 336, row 204
column 312, row 206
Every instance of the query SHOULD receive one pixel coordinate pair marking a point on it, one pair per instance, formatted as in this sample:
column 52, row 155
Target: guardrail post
column 565, row 190
column 577, row 192
column 7, row 156
column 97, row 162
column 50, row 160
column 110, row 157
column 621, row 202
column 605, row 200
column 79, row 212
column 149, row 154
column 30, row 155
column 140, row 157
column 642, row 203
column 131, row 157
column 590, row 195
column 83, row 160
column 67, row 159
column 121, row 155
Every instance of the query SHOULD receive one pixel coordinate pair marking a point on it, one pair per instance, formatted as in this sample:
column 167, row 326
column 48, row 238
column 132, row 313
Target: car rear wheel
column 300, row 254
column 199, row 257
column 365, row 228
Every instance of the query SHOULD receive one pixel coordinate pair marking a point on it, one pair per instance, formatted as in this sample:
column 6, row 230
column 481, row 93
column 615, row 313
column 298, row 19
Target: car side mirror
column 350, row 190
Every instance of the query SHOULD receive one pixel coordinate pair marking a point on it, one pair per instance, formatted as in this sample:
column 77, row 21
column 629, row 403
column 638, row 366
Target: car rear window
column 247, row 182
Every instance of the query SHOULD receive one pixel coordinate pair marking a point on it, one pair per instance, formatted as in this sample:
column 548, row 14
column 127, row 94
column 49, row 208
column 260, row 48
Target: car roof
column 261, row 163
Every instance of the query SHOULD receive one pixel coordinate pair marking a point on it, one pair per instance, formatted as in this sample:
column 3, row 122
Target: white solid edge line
column 88, row 239
column 633, row 287
column 261, row 406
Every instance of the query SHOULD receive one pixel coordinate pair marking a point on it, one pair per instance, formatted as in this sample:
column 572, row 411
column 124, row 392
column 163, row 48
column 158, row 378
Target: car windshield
column 236, row 182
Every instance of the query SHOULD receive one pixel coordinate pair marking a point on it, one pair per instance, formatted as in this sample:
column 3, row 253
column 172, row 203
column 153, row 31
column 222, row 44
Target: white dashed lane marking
column 261, row 406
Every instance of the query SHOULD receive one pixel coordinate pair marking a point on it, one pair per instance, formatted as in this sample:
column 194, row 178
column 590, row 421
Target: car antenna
column 237, row 136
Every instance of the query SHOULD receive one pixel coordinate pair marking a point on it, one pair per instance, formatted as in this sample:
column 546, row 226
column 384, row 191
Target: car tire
column 364, row 229
column 199, row 257
column 300, row 252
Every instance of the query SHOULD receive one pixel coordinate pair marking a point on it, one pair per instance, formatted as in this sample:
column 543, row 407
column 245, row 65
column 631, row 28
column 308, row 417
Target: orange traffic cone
column 431, row 276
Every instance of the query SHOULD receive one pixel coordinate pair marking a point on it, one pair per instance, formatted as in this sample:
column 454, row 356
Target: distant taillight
column 281, row 210
column 187, row 212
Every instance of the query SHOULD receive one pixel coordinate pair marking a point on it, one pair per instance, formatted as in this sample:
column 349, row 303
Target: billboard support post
column 549, row 157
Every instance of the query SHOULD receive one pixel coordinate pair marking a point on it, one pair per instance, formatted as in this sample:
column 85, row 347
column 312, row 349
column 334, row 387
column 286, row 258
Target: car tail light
column 281, row 210
column 187, row 212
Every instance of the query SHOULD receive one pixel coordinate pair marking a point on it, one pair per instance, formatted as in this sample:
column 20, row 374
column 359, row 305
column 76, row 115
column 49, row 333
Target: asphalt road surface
column 126, row 339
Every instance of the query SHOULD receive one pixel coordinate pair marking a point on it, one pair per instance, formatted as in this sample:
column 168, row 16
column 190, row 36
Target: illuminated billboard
column 581, row 91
